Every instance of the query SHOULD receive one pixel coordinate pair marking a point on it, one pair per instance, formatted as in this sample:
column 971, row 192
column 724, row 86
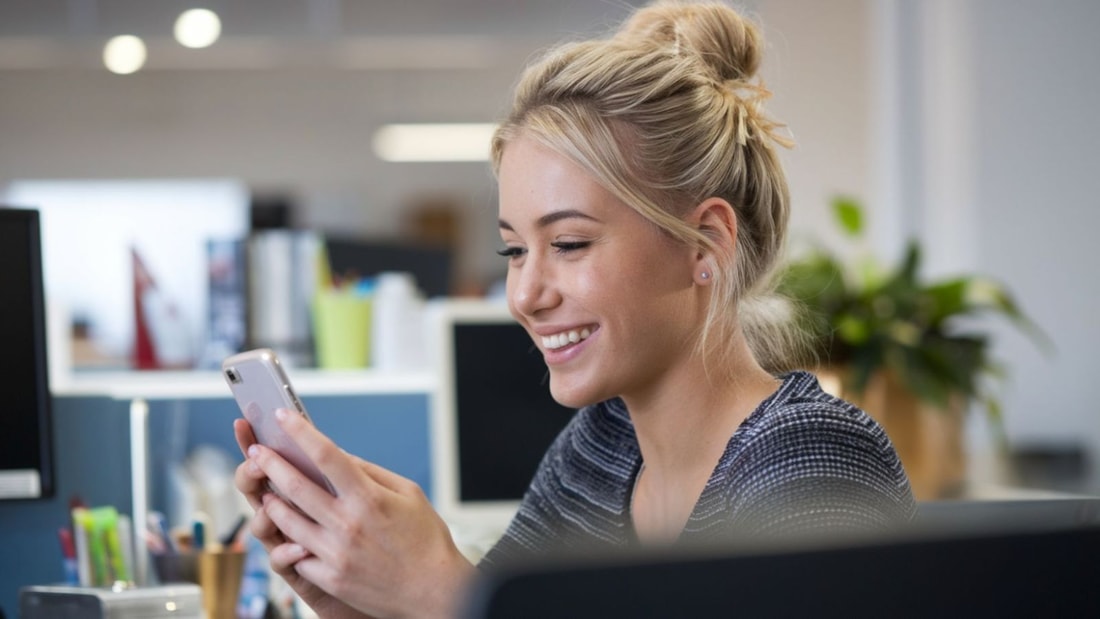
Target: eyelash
column 562, row 247
column 511, row 252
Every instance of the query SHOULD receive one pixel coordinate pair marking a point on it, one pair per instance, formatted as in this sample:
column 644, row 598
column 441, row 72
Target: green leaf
column 910, row 265
column 817, row 281
column 923, row 374
column 1003, row 301
column 947, row 299
column 849, row 215
column 852, row 330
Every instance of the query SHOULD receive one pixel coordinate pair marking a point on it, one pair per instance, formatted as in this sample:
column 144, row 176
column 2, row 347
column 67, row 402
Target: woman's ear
column 716, row 219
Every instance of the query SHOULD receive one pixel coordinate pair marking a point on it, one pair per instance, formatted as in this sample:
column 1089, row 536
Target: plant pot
column 929, row 439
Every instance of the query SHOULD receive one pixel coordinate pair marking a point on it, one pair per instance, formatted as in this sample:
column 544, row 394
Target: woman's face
column 607, row 297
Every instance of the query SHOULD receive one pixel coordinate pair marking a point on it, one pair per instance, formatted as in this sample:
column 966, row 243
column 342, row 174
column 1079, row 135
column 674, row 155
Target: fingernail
column 253, row 451
column 280, row 414
column 297, row 550
column 253, row 467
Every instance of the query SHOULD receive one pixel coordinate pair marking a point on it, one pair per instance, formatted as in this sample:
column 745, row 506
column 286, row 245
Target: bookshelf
column 204, row 384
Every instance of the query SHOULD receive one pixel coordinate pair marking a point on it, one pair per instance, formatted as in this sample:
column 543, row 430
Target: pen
column 229, row 538
column 158, row 526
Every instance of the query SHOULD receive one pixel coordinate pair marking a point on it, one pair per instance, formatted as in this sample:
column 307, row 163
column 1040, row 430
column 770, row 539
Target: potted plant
column 905, row 349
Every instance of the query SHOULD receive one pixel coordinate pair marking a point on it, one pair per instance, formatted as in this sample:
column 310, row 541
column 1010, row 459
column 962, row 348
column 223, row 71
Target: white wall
column 997, row 172
column 818, row 64
column 1037, row 87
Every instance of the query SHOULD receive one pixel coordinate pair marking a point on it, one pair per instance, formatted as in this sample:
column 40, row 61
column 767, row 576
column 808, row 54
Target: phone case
column 260, row 386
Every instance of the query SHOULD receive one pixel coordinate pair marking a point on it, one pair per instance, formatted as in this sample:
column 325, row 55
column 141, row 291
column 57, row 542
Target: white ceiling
column 350, row 34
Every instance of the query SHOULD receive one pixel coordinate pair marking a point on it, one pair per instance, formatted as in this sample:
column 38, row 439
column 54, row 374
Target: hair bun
column 726, row 42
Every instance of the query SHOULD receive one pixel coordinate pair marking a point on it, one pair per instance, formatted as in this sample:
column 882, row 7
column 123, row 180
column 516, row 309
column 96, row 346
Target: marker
column 68, row 556
column 198, row 535
column 198, row 531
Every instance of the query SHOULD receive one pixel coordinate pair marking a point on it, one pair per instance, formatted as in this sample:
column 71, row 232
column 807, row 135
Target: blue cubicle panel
column 92, row 460
column 92, row 443
column 389, row 430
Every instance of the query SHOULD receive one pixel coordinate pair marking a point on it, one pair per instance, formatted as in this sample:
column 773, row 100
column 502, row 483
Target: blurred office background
column 969, row 124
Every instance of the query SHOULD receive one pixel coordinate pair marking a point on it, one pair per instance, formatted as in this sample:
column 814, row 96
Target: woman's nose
column 531, row 288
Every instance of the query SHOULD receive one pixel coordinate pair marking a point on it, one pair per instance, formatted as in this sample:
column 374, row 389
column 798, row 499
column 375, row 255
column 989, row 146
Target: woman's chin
column 572, row 395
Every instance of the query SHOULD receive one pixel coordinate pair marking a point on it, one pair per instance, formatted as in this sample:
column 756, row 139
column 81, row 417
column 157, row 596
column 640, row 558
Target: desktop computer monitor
column 1034, row 573
column 26, row 453
column 492, row 414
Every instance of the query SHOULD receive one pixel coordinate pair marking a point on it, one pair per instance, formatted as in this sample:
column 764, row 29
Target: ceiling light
column 197, row 28
column 124, row 54
column 433, row 142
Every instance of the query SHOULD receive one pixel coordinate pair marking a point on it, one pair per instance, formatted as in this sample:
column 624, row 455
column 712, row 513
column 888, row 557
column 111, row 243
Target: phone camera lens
column 232, row 375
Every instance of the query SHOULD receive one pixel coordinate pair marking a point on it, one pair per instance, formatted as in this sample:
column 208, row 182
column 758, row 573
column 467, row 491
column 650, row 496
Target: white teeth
column 561, row 339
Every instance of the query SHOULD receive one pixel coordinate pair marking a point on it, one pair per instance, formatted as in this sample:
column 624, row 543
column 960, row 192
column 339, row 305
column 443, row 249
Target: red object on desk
column 144, row 355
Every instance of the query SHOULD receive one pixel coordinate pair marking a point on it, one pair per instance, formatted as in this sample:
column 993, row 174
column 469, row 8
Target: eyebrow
column 553, row 217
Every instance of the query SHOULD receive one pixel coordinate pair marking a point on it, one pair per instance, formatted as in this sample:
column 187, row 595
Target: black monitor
column 493, row 416
column 26, row 452
column 1037, row 573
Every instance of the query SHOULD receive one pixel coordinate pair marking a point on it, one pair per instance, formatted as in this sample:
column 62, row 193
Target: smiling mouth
column 565, row 338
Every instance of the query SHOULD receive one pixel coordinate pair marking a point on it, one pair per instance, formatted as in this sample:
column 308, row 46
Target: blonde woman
column 642, row 210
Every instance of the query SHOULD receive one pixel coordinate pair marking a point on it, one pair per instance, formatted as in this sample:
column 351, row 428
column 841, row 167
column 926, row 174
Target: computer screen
column 1035, row 573
column 492, row 414
column 26, row 455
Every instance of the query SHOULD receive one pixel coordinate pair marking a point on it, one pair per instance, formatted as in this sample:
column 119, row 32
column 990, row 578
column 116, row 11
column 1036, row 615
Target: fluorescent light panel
column 433, row 142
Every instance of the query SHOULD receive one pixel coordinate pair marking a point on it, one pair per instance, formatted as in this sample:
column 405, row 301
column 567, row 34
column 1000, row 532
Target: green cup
column 341, row 329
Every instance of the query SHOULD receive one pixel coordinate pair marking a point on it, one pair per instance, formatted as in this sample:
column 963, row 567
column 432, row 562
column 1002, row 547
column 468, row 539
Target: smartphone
column 260, row 386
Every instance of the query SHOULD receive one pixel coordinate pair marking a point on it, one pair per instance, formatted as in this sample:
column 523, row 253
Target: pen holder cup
column 176, row 567
column 217, row 572
column 342, row 329
column 220, row 573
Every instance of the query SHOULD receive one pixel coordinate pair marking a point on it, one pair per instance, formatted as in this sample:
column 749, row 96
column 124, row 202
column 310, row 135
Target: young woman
column 642, row 210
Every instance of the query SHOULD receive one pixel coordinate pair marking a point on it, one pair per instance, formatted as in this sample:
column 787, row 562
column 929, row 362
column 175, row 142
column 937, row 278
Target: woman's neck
column 683, row 426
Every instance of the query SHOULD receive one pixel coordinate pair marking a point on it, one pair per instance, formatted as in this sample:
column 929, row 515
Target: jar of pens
column 194, row 555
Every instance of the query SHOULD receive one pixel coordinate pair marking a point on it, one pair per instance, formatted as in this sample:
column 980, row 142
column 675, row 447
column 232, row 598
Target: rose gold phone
column 260, row 387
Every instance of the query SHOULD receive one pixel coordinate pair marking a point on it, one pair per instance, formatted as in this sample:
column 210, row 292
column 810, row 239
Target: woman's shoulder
column 809, row 460
column 804, row 432
column 801, row 409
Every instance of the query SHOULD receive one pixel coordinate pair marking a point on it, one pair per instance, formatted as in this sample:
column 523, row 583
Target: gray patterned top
column 803, row 462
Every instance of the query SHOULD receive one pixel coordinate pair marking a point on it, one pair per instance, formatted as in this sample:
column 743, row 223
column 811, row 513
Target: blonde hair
column 664, row 114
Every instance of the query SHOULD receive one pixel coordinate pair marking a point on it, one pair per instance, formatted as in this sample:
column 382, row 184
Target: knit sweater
column 803, row 462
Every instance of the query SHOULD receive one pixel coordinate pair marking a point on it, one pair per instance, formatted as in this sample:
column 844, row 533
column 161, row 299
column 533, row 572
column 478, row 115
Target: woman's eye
column 563, row 247
column 511, row 252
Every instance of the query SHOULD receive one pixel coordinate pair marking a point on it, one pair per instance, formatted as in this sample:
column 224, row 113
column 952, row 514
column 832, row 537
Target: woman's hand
column 249, row 479
column 378, row 546
column 252, row 483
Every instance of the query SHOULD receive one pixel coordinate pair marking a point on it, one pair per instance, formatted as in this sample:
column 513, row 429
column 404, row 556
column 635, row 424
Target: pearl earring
column 705, row 275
